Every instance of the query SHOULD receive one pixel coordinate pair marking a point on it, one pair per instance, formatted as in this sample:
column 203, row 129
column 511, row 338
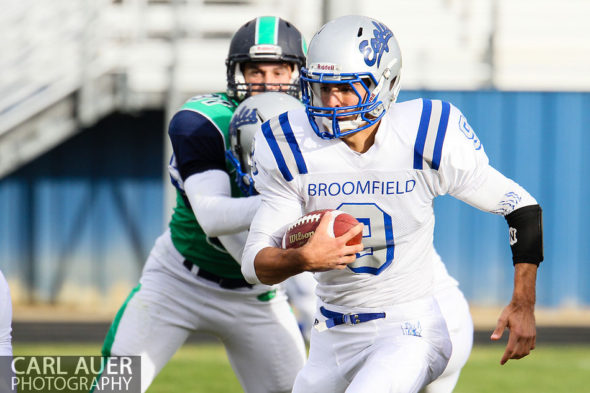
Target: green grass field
column 204, row 368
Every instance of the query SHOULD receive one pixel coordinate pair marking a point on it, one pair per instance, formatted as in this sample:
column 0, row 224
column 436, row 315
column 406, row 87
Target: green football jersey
column 187, row 235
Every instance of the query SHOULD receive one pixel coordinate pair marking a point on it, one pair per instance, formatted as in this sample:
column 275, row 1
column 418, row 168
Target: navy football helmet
column 264, row 39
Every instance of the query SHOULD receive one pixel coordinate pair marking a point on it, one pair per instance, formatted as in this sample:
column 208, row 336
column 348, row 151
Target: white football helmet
column 348, row 50
column 245, row 122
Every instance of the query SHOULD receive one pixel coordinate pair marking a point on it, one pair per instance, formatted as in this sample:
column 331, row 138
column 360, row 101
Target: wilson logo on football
column 300, row 236
column 300, row 231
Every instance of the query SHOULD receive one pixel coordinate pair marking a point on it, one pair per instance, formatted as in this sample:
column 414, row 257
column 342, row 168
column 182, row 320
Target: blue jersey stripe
column 440, row 134
column 284, row 121
column 276, row 151
column 422, row 131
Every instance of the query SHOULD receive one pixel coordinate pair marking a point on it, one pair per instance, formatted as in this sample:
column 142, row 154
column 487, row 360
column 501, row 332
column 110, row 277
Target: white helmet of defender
column 361, row 52
column 245, row 122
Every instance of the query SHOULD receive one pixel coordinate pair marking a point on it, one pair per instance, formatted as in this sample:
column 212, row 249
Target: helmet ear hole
column 369, row 83
column 392, row 83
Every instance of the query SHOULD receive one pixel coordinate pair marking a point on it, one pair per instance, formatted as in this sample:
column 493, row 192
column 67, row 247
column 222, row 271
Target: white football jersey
column 423, row 149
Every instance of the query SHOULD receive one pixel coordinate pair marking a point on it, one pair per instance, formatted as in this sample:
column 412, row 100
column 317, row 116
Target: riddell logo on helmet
column 325, row 67
column 265, row 49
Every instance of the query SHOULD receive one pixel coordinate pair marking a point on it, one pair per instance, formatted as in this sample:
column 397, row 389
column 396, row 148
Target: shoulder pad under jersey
column 280, row 138
column 430, row 138
column 218, row 108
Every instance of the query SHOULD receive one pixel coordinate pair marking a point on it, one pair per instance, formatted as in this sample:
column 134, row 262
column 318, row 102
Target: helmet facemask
column 264, row 39
column 243, row 90
column 373, row 102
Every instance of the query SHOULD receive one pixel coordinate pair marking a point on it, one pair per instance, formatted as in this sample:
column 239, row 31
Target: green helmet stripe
column 267, row 30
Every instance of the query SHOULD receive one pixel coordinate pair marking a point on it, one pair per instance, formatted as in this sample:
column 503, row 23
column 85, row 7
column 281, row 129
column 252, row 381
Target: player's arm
column 500, row 195
column 466, row 174
column 199, row 152
column 322, row 252
column 234, row 244
column 216, row 211
column 263, row 260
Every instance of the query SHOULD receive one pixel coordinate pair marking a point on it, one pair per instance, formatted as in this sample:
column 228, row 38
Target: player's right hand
column 323, row 252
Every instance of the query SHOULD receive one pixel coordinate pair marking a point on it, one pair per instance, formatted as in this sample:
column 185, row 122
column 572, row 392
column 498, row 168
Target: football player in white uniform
column 379, row 327
column 300, row 288
column 5, row 318
column 6, row 373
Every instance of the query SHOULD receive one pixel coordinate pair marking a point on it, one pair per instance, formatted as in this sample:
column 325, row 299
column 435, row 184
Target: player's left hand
column 519, row 318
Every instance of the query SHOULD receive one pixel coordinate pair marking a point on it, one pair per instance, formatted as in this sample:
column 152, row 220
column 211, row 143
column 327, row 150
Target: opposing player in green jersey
column 192, row 279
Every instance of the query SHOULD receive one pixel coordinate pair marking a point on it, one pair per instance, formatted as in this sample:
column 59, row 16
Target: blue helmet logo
column 244, row 116
column 379, row 44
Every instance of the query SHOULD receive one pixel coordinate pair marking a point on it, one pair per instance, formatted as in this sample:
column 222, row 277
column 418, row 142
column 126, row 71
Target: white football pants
column 452, row 303
column 397, row 354
column 301, row 293
column 455, row 310
column 5, row 318
column 261, row 337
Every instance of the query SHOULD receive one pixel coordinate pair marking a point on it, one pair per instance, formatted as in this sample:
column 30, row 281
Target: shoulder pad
column 216, row 107
column 283, row 144
column 434, row 120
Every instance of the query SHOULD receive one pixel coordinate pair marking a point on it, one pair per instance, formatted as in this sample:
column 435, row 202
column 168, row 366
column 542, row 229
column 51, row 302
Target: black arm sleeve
column 526, row 234
column 197, row 143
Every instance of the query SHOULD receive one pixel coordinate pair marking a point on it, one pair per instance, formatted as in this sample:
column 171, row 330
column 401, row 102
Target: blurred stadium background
column 87, row 88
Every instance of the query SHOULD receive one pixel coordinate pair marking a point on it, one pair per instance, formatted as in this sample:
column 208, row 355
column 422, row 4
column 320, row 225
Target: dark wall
column 87, row 212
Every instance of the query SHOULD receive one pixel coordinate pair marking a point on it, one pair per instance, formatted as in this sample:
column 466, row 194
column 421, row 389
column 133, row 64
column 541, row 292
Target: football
column 299, row 232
